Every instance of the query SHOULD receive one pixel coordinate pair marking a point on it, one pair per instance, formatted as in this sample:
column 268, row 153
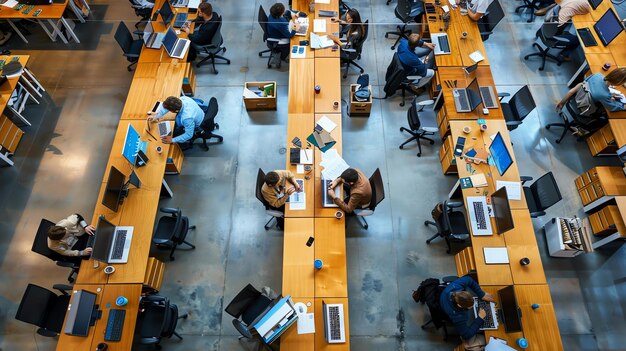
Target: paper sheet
column 306, row 156
column 333, row 164
column 496, row 255
column 496, row 344
column 322, row 1
column 479, row 180
column 306, row 323
column 320, row 41
column 513, row 189
column 327, row 124
column 319, row 25
column 297, row 201
column 249, row 94
column 476, row 56
column 300, row 169
column 10, row 3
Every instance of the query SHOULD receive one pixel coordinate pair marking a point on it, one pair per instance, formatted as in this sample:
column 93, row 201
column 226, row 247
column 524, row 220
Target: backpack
column 584, row 101
column 426, row 291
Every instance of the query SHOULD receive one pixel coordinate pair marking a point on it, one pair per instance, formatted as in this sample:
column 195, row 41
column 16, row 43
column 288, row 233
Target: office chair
column 260, row 179
column 541, row 194
column 141, row 11
column 207, row 126
column 213, row 49
column 396, row 79
column 273, row 46
column 158, row 319
column 432, row 293
column 422, row 122
column 130, row 46
column 549, row 38
column 44, row 308
column 172, row 230
column 490, row 19
column 406, row 11
column 40, row 246
column 531, row 5
column 572, row 118
column 451, row 225
column 378, row 195
column 517, row 107
column 349, row 55
column 246, row 307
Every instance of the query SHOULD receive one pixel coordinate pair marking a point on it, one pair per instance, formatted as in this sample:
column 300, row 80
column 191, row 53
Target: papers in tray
column 322, row 1
column 320, row 41
column 333, row 164
column 306, row 323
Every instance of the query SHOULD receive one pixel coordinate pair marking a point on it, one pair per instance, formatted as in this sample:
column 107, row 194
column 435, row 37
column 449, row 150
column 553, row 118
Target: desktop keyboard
column 335, row 322
column 444, row 44
column 485, row 92
column 162, row 129
column 587, row 37
column 115, row 325
column 489, row 322
column 118, row 245
column 181, row 18
column 479, row 211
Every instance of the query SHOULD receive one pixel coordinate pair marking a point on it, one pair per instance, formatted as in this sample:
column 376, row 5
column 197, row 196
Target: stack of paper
column 320, row 41
column 476, row 56
column 319, row 25
column 513, row 189
column 333, row 164
column 479, row 180
column 326, row 123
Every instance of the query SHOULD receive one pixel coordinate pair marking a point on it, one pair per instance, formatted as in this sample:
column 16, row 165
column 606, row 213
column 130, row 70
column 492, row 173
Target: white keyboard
column 479, row 215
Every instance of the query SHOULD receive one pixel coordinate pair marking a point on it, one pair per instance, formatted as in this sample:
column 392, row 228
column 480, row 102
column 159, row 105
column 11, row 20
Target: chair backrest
column 157, row 318
column 242, row 328
column 262, row 19
column 40, row 244
column 208, row 123
column 36, row 305
column 412, row 117
column 441, row 216
column 217, row 39
column 394, row 76
column 260, row 180
column 378, row 189
column 522, row 103
column 491, row 18
column 181, row 227
column 403, row 9
column 547, row 32
column 243, row 299
column 358, row 44
column 123, row 37
column 170, row 319
column 545, row 191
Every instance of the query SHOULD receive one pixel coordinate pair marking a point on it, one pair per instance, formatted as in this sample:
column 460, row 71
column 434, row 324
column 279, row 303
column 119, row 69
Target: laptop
column 334, row 325
column 479, row 215
column 111, row 244
column 491, row 320
column 151, row 38
column 176, row 47
column 326, row 200
column 442, row 46
column 488, row 97
column 180, row 3
column 467, row 99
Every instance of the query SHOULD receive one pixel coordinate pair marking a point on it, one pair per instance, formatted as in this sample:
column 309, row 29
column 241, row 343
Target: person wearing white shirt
column 477, row 8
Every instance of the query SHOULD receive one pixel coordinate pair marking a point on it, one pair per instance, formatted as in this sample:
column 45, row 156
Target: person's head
column 205, row 10
column 463, row 299
column 353, row 16
column 271, row 178
column 617, row 76
column 56, row 232
column 350, row 176
column 173, row 104
column 277, row 10
column 414, row 39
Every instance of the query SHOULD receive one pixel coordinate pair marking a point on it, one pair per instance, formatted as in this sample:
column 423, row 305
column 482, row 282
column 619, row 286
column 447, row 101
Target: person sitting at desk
column 204, row 33
column 356, row 187
column 67, row 237
column 417, row 63
column 276, row 191
column 188, row 118
column 477, row 8
column 598, row 86
column 456, row 303
column 355, row 30
column 278, row 26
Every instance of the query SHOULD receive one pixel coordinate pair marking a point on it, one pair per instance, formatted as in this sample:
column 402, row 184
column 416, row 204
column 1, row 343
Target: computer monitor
column 115, row 189
column 500, row 154
column 608, row 27
column 502, row 210
column 103, row 240
column 169, row 40
column 621, row 153
column 595, row 3
column 81, row 314
column 510, row 311
column 166, row 13
column 473, row 92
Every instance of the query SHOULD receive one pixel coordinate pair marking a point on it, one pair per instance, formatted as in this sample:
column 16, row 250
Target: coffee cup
column 317, row 89
column 159, row 150
column 338, row 214
column 606, row 66
column 336, row 105
column 318, row 264
column 483, row 127
column 109, row 269
column 467, row 129
column 102, row 347
column 524, row 261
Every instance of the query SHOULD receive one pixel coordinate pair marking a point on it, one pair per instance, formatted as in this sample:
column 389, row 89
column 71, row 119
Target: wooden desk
column 301, row 125
column 537, row 323
column 328, row 77
column 330, row 247
column 298, row 270
column 320, row 210
column 51, row 15
column 521, row 242
column 510, row 338
column 301, row 86
column 291, row 340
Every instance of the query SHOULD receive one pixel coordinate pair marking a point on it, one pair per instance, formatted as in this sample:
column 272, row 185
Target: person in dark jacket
column 278, row 26
column 417, row 63
column 205, row 31
column 457, row 304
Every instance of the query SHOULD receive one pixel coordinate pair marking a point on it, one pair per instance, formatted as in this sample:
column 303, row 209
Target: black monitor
column 500, row 154
column 621, row 153
column 595, row 3
column 502, row 210
column 608, row 27
column 115, row 189
column 103, row 240
column 81, row 314
column 511, row 315
column 473, row 93
column 166, row 13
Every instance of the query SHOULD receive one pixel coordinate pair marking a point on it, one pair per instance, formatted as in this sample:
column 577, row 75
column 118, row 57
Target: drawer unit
column 446, row 156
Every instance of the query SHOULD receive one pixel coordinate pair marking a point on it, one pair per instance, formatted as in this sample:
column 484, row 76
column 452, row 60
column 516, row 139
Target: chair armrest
column 349, row 50
column 537, row 214
column 503, row 95
column 154, row 298
column 62, row 288
column 131, row 55
column 559, row 39
column 513, row 123
column 413, row 77
column 486, row 33
column 149, row 341
column 454, row 204
column 66, row 264
column 275, row 213
column 525, row 179
column 363, row 212
column 168, row 210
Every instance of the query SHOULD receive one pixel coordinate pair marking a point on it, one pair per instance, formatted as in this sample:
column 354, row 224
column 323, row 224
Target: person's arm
column 612, row 104
column 283, row 27
column 290, row 178
column 355, row 200
column 474, row 16
column 272, row 199
column 189, row 126
column 468, row 283
column 467, row 332
column 71, row 223
column 62, row 250
column 567, row 96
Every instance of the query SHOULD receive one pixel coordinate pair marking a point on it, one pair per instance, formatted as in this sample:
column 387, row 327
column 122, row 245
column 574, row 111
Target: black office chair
column 422, row 123
column 246, row 307
column 172, row 230
column 44, row 308
column 141, row 11
column 490, row 19
column 517, row 107
column 158, row 319
column 40, row 246
column 451, row 225
column 207, row 126
column 378, row 195
column 573, row 119
column 213, row 49
column 130, row 46
column 408, row 12
column 549, row 38
column 530, row 6
column 260, row 180
column 541, row 194
column 431, row 292
column 396, row 79
column 273, row 46
column 351, row 54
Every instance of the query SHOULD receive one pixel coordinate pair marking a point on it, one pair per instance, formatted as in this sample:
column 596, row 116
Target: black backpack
column 428, row 293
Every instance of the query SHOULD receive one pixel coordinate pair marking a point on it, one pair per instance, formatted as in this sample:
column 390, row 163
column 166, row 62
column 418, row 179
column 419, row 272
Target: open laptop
column 176, row 47
column 479, row 215
column 151, row 38
column 180, row 3
column 442, row 46
column 326, row 200
column 111, row 244
column 488, row 96
column 491, row 320
column 467, row 99
column 334, row 325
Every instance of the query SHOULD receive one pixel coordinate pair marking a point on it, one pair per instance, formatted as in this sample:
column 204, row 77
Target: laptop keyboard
column 489, row 322
column 479, row 211
column 118, row 245
column 463, row 101
column 178, row 50
column 485, row 92
column 162, row 129
column 335, row 322
column 181, row 18
column 444, row 45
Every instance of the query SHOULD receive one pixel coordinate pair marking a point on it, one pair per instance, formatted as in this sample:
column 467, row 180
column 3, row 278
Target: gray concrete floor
column 62, row 157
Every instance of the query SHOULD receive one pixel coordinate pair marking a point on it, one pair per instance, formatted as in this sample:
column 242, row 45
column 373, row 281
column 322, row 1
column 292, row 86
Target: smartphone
column 458, row 149
column 156, row 106
column 310, row 241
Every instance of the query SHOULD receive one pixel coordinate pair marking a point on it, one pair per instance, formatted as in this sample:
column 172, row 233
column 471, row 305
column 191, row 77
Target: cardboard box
column 359, row 108
column 260, row 103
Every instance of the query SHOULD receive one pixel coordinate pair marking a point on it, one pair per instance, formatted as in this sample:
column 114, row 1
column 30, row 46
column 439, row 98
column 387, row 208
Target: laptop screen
column 500, row 154
column 169, row 41
column 103, row 241
column 595, row 3
column 473, row 93
column 502, row 210
column 608, row 27
column 166, row 12
column 114, row 189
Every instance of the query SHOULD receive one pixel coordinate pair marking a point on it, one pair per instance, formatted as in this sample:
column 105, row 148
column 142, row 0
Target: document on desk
column 303, row 23
column 479, row 180
column 322, row 1
column 297, row 200
column 10, row 3
column 327, row 124
column 476, row 56
column 496, row 344
column 320, row 41
column 298, row 52
column 300, row 169
column 319, row 25
column 333, row 164
column 306, row 323
column 513, row 189
column 496, row 255
column 306, row 156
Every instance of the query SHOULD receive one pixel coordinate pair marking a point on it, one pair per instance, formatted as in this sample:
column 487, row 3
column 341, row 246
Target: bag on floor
column 362, row 92
column 426, row 291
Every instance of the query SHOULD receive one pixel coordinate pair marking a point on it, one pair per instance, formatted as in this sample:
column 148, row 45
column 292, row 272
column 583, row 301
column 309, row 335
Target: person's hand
column 90, row 230
column 87, row 251
column 331, row 194
column 295, row 15
column 185, row 29
column 152, row 119
column 334, row 19
column 298, row 188
column 430, row 45
column 290, row 191
column 296, row 25
column 482, row 314
column 488, row 297
column 166, row 139
column 333, row 184
column 559, row 106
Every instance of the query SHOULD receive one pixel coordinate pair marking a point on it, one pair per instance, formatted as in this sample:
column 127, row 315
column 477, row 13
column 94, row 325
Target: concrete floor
column 62, row 157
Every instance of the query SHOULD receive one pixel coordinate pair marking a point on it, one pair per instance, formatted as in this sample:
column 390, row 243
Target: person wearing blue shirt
column 457, row 303
column 599, row 90
column 278, row 26
column 417, row 63
column 189, row 116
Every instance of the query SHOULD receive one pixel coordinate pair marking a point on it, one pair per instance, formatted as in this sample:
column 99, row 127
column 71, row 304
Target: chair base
column 213, row 58
column 267, row 225
column 401, row 32
column 130, row 67
column 417, row 136
column 528, row 6
column 449, row 248
column 362, row 221
column 543, row 53
column 445, row 329
column 351, row 62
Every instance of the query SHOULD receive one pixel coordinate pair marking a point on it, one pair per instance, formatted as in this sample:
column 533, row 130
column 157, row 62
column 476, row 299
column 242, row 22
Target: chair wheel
column 548, row 126
column 419, row 154
column 362, row 71
column 260, row 55
column 172, row 259
column 224, row 49
column 387, row 35
column 401, row 147
column 432, row 143
column 402, row 104
column 447, row 251
column 426, row 223
column 393, row 47
column 558, row 141
column 526, row 57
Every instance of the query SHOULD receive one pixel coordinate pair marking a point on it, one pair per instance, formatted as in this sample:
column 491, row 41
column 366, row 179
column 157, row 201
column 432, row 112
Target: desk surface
column 53, row 11
column 301, row 125
column 9, row 86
